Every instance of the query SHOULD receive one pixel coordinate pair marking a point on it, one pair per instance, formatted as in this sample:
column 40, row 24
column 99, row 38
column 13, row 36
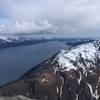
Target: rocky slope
column 67, row 75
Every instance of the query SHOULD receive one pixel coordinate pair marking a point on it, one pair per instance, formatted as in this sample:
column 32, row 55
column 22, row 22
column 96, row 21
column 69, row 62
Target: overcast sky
column 61, row 17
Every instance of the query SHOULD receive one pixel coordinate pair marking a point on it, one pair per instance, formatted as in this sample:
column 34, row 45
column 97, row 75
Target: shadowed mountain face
column 67, row 75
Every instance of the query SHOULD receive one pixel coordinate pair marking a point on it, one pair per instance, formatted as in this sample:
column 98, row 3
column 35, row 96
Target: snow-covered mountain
column 13, row 40
column 68, row 75
column 83, row 56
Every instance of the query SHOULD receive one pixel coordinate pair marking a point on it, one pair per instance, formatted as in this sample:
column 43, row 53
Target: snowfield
column 83, row 56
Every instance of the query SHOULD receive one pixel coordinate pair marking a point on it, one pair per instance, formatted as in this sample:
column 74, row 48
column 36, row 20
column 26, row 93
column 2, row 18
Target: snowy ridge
column 84, row 56
column 21, row 40
column 12, row 38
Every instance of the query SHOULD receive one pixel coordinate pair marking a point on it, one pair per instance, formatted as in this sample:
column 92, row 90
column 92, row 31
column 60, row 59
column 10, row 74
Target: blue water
column 17, row 60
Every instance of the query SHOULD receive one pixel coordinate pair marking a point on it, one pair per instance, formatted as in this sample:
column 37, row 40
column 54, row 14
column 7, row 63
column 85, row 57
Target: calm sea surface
column 17, row 60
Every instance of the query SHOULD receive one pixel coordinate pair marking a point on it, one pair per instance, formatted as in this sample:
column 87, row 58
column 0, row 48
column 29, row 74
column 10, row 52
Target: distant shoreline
column 70, row 41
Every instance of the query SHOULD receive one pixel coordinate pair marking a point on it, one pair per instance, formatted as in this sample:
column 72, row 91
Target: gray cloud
column 27, row 27
column 69, row 17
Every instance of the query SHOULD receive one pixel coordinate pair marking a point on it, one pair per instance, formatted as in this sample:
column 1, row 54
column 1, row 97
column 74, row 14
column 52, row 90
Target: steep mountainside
column 67, row 75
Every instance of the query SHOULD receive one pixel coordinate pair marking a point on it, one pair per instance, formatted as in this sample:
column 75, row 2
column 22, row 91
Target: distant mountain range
column 11, row 40
column 68, row 75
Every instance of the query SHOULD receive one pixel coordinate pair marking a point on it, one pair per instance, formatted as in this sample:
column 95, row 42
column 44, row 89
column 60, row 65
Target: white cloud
column 27, row 27
column 78, row 17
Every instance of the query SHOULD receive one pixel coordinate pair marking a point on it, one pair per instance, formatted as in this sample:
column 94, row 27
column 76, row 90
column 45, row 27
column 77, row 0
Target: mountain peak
column 83, row 56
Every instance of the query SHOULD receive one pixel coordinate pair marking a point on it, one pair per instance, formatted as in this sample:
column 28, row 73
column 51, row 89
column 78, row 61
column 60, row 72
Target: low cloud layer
column 27, row 27
column 68, row 17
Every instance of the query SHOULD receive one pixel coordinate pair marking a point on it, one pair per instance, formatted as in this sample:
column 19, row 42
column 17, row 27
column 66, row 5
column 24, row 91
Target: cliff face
column 68, row 75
